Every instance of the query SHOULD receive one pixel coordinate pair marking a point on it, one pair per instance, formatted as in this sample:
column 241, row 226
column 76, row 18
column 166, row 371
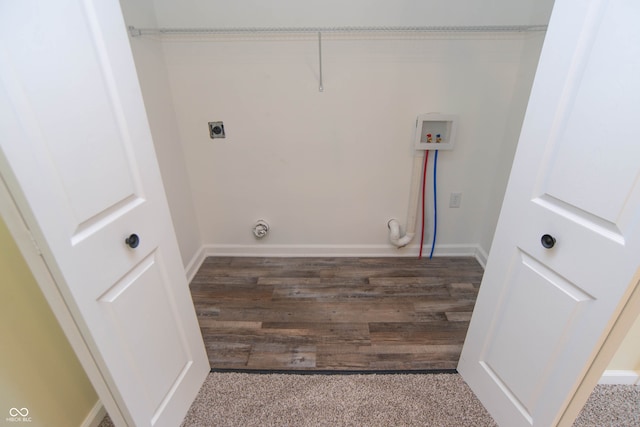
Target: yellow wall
column 38, row 369
column 628, row 355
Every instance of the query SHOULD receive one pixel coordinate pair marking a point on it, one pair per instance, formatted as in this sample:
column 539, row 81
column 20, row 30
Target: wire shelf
column 445, row 31
column 137, row 32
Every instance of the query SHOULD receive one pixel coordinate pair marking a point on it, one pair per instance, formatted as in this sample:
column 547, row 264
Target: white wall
column 288, row 13
column 149, row 60
column 328, row 170
column 540, row 12
column 332, row 168
column 528, row 63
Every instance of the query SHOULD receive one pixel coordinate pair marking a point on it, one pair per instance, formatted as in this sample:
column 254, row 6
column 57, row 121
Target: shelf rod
column 137, row 32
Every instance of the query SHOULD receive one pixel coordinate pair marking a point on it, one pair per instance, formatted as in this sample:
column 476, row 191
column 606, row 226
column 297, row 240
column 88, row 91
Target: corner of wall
column 95, row 416
column 156, row 92
column 624, row 368
column 481, row 256
column 620, row 377
column 195, row 263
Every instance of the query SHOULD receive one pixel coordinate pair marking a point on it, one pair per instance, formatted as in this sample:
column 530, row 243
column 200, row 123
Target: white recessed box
column 436, row 131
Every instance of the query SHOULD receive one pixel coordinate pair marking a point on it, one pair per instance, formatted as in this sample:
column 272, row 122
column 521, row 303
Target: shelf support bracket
column 320, row 88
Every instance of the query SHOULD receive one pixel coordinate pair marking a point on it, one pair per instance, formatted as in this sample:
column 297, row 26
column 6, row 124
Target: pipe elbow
column 394, row 235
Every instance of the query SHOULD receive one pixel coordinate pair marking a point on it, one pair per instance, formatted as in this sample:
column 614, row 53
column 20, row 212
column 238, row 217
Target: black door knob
column 132, row 241
column 548, row 241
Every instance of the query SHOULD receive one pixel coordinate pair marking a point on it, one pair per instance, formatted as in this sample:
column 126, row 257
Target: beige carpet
column 611, row 405
column 336, row 400
column 233, row 399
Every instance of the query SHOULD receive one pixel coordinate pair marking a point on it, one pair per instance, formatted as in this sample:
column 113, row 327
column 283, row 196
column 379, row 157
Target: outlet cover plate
column 455, row 200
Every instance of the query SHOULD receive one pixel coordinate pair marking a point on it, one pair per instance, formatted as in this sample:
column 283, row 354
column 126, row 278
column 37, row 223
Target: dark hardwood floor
column 356, row 314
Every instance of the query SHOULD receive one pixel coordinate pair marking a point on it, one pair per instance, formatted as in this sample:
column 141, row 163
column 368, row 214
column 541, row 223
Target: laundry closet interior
column 291, row 137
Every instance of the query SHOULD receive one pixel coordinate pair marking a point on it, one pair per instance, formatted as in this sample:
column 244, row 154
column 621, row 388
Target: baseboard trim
column 95, row 416
column 481, row 256
column 462, row 250
column 335, row 251
column 623, row 377
column 194, row 265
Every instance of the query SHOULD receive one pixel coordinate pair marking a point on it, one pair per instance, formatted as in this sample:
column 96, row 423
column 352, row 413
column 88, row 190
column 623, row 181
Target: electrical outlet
column 216, row 130
column 455, row 199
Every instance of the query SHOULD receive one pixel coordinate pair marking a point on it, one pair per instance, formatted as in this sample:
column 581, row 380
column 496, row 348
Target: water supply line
column 423, row 198
column 414, row 198
column 435, row 205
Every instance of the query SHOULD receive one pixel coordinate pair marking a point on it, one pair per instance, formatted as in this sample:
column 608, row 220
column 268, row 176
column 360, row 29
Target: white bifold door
column 566, row 254
column 79, row 160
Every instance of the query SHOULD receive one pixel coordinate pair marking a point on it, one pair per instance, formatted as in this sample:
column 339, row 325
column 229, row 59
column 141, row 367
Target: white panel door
column 542, row 312
column 74, row 131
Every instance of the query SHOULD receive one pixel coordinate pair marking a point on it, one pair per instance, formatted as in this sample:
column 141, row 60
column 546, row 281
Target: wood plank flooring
column 331, row 314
